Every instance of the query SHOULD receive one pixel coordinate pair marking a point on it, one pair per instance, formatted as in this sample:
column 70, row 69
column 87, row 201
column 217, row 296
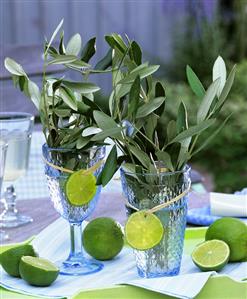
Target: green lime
column 38, row 271
column 143, row 230
column 10, row 258
column 80, row 187
column 234, row 233
column 103, row 238
column 211, row 255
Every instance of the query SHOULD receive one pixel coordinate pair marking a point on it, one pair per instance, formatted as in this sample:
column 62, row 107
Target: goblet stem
column 75, row 240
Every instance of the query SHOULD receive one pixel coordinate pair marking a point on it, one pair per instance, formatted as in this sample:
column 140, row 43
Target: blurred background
column 172, row 33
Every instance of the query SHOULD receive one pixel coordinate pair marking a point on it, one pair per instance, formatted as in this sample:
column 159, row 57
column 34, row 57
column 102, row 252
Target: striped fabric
column 53, row 243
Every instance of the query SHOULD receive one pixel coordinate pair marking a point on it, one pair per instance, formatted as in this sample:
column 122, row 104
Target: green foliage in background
column 226, row 155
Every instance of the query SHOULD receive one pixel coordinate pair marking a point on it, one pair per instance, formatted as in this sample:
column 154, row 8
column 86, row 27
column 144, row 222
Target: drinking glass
column 76, row 263
column 16, row 128
column 147, row 190
column 3, row 151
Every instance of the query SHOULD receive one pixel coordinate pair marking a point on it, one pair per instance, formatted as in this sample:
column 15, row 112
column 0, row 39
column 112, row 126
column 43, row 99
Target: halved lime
column 80, row 187
column 211, row 255
column 143, row 230
column 38, row 271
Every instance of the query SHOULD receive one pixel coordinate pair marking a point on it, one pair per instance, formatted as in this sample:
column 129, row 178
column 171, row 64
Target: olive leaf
column 81, row 87
column 219, row 71
column 182, row 121
column 62, row 59
column 165, row 158
column 149, row 107
column 104, row 121
column 53, row 36
column 34, row 93
column 140, row 155
column 113, row 132
column 88, row 50
column 74, row 45
column 194, row 82
column 105, row 62
column 68, row 97
column 137, row 52
column 134, row 98
column 194, row 130
column 13, row 67
column 109, row 169
column 207, row 100
column 142, row 72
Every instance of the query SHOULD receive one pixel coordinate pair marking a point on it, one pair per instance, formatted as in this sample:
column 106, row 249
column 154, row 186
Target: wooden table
column 109, row 205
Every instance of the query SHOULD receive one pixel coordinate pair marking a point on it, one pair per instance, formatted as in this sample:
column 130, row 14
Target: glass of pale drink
column 16, row 128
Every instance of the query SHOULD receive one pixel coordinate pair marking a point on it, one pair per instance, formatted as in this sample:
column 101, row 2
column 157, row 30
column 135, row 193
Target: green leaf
column 34, row 93
column 78, row 65
column 105, row 62
column 142, row 72
column 113, row 132
column 115, row 42
column 61, row 44
column 134, row 97
column 226, row 88
column 13, row 67
column 81, row 87
column 194, row 130
column 150, row 125
column 165, row 158
column 140, row 155
column 219, row 71
column 68, row 97
column 137, row 52
column 104, row 121
column 62, row 59
column 89, row 50
column 81, row 142
column 184, row 154
column 159, row 90
column 62, row 112
column 194, row 82
column 207, row 101
column 53, row 36
column 182, row 122
column 171, row 130
column 74, row 45
column 212, row 136
column 109, row 169
column 149, row 107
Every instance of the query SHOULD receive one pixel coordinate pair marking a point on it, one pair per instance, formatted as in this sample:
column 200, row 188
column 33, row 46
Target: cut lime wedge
column 38, row 271
column 143, row 230
column 80, row 188
column 211, row 255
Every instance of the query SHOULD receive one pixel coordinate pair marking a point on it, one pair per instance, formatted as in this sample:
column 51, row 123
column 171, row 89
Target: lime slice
column 143, row 230
column 80, row 188
column 38, row 271
column 211, row 255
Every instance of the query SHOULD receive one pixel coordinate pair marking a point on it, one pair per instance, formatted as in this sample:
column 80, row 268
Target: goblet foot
column 9, row 220
column 79, row 266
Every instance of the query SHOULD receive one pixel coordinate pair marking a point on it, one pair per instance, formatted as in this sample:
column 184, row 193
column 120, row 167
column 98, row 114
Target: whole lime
column 103, row 238
column 10, row 259
column 234, row 233
column 38, row 271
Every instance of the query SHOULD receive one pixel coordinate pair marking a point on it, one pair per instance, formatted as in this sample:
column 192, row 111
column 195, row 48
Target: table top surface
column 109, row 205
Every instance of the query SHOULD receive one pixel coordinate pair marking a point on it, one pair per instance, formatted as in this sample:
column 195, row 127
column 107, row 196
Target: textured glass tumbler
column 145, row 191
column 76, row 263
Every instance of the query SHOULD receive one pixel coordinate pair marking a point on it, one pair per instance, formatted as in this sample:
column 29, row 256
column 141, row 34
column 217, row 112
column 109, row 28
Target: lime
column 80, row 187
column 10, row 258
column 234, row 233
column 211, row 255
column 38, row 271
column 143, row 230
column 103, row 238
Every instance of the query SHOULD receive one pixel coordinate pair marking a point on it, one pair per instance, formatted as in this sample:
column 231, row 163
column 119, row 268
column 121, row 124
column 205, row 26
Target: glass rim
column 17, row 116
column 186, row 169
column 62, row 149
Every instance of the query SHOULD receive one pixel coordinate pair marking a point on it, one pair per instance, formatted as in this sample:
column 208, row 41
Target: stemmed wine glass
column 57, row 159
column 16, row 128
column 3, row 151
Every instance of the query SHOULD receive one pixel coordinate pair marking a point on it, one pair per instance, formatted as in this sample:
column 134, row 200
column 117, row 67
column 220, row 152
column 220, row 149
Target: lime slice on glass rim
column 211, row 255
column 80, row 187
column 143, row 230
